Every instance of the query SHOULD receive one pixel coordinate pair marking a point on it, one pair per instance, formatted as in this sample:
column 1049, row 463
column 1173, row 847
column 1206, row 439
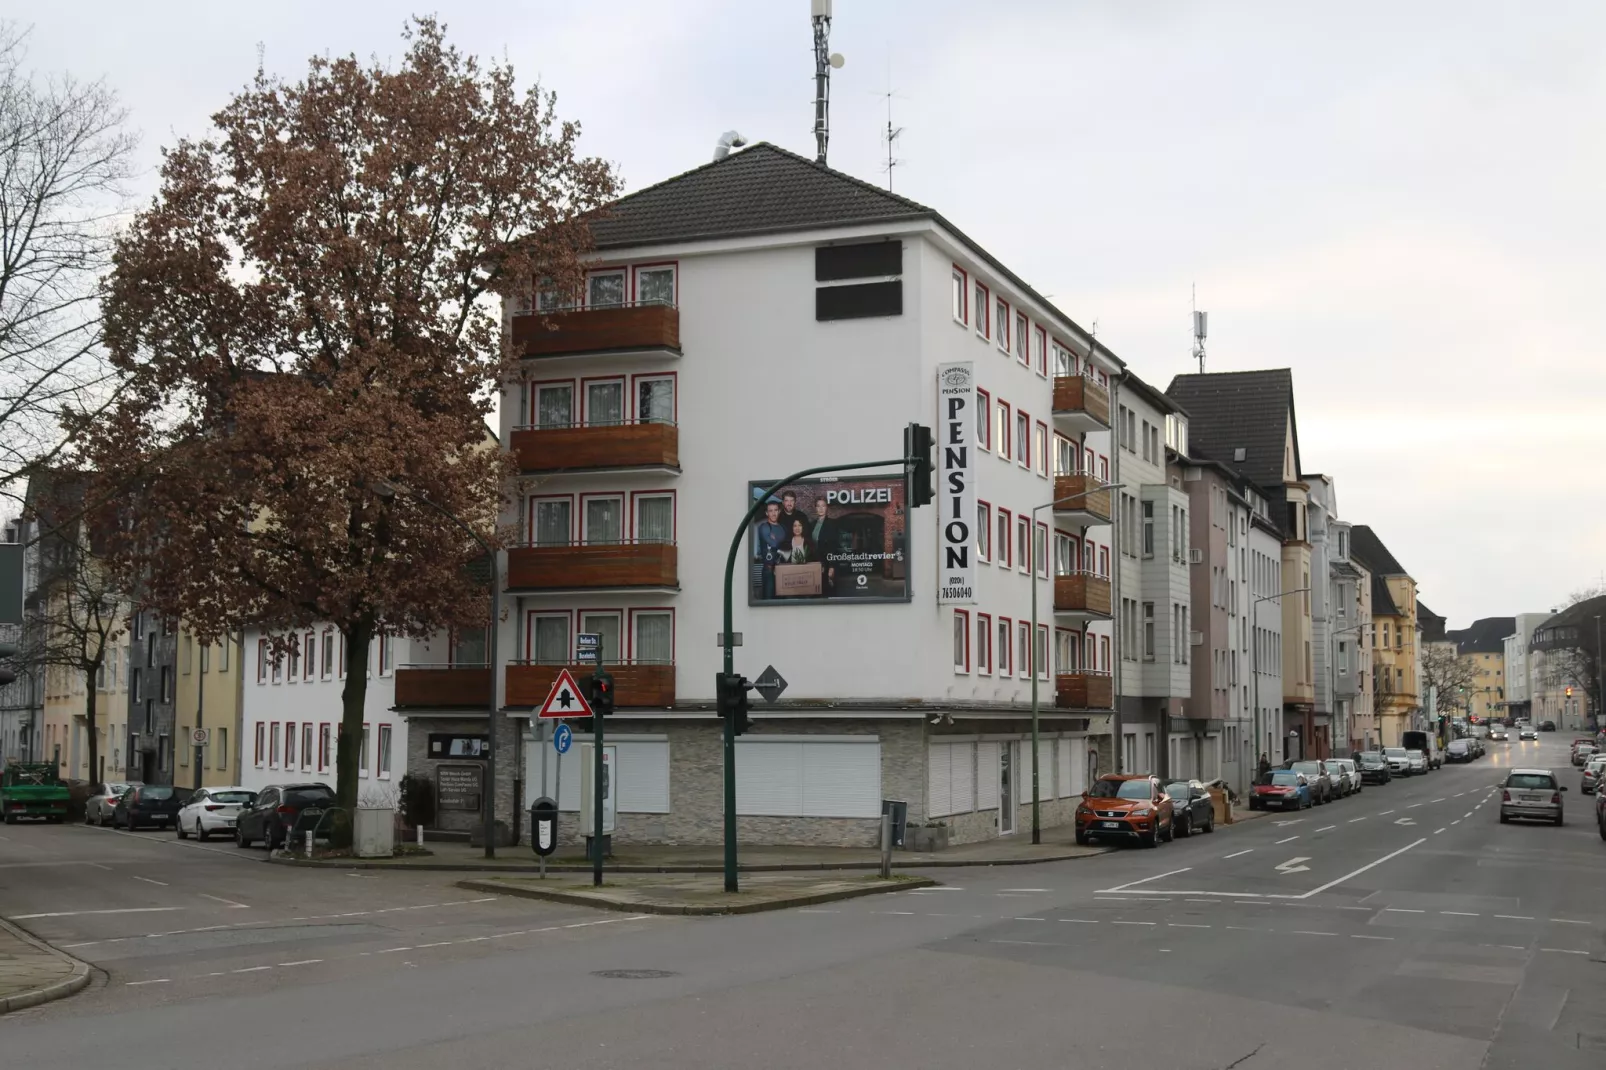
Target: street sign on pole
column 770, row 684
column 565, row 699
column 587, row 648
column 563, row 739
column 200, row 737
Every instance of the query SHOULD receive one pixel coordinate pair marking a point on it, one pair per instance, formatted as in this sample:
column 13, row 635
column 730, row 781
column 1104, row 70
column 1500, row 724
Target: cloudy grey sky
column 1402, row 202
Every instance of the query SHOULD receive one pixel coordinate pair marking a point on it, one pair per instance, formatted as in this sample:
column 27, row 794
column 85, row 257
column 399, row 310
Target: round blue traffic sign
column 562, row 739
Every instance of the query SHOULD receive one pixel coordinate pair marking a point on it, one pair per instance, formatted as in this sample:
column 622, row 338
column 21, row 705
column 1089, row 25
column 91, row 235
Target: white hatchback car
column 212, row 811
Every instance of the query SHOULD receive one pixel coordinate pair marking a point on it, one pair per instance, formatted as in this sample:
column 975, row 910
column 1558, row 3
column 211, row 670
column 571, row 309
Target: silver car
column 99, row 806
column 1531, row 793
column 1344, row 772
column 1594, row 773
column 1399, row 761
column 1418, row 760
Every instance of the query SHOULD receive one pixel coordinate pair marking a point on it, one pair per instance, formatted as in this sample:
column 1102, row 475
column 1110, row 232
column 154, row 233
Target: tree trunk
column 89, row 719
column 348, row 747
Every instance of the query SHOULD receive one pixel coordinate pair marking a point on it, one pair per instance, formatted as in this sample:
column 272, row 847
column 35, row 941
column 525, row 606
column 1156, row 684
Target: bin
column 899, row 812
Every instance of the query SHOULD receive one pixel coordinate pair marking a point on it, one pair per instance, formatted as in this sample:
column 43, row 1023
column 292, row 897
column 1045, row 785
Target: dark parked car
column 1547, row 726
column 1458, row 750
column 1191, row 808
column 156, row 805
column 276, row 809
column 1374, row 767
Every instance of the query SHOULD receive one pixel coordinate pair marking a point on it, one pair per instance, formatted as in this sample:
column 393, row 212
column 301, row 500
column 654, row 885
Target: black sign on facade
column 459, row 787
column 448, row 745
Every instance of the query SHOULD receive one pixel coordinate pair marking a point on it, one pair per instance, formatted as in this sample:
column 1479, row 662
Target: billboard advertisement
column 956, row 484
column 830, row 540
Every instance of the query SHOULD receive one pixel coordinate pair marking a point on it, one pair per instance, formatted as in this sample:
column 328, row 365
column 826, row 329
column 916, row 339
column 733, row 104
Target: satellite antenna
column 1201, row 327
column 824, row 61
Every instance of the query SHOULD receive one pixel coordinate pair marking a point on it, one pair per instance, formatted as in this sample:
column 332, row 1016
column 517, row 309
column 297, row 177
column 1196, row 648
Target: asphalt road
column 1403, row 927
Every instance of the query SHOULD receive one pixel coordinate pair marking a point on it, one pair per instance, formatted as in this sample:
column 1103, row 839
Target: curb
column 576, row 899
column 578, row 867
column 59, row 990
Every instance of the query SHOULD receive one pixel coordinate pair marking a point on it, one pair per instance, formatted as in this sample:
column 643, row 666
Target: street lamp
column 387, row 491
column 1254, row 649
column 1037, row 828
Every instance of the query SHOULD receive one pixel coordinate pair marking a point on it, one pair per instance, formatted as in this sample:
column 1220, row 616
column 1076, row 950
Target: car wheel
column 1558, row 821
column 269, row 838
column 1601, row 824
column 1152, row 839
column 1210, row 822
column 1171, row 829
column 240, row 838
column 1081, row 839
column 200, row 832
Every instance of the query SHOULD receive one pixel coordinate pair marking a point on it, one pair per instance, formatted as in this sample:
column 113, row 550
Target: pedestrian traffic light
column 732, row 700
column 917, row 455
column 7, row 673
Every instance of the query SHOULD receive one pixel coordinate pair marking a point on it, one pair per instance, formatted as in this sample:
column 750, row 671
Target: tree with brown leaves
column 309, row 308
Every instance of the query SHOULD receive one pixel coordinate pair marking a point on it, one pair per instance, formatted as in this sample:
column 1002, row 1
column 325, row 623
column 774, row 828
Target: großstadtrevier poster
column 830, row 540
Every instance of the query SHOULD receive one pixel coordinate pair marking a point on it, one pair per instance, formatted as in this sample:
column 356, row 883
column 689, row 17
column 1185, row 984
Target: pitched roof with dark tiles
column 1248, row 410
column 1366, row 547
column 1382, row 599
column 1432, row 624
column 1485, row 636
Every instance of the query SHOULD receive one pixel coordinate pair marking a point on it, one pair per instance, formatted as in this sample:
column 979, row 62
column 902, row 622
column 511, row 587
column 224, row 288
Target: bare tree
column 63, row 158
column 1451, row 674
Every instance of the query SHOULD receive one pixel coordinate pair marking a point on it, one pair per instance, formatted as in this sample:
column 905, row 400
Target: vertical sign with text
column 956, row 483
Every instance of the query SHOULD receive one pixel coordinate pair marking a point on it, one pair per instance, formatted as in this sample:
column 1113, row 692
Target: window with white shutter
column 809, row 778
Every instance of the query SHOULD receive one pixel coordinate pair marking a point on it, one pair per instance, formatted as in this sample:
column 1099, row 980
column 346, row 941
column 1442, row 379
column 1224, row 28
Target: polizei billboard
column 956, row 484
column 830, row 540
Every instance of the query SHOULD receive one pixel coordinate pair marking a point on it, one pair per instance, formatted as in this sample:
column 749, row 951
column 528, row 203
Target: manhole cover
column 633, row 975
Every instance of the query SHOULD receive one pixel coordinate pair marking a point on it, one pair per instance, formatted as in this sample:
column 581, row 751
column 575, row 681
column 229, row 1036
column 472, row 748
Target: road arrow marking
column 1293, row 865
column 1404, row 821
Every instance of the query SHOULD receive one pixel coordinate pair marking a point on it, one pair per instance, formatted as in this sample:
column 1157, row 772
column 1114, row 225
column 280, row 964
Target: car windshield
column 156, row 791
column 1178, row 790
column 1308, row 768
column 116, row 789
column 1394, row 752
column 233, row 796
column 1414, row 753
column 1283, row 778
column 1531, row 780
column 1371, row 756
column 307, row 796
column 1120, row 789
column 1459, row 744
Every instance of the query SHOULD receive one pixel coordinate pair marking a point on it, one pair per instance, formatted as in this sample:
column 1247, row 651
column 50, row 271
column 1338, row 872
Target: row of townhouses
column 1154, row 569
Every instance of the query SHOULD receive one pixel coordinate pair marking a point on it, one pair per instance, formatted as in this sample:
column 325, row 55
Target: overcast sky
column 1402, row 202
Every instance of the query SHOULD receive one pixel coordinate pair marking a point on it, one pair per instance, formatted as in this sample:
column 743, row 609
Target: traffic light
column 917, row 454
column 731, row 696
column 602, row 693
column 1569, row 692
column 7, row 674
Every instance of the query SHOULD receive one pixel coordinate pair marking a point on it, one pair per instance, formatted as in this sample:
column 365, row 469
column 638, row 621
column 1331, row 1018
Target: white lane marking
column 1290, row 821
column 1563, row 951
column 807, row 910
column 1516, row 917
column 1438, row 800
column 1027, row 943
column 1413, row 806
column 1206, row 902
column 1025, row 889
column 1290, row 839
column 1293, row 865
column 1568, row 921
column 1457, row 821
column 1136, row 923
column 1184, row 925
column 1327, row 828
column 1080, row 921
column 252, row 969
column 438, row 943
column 1384, row 813
column 1145, row 880
column 1354, row 873
column 1355, row 819
column 225, row 902
column 1365, row 936
column 1112, row 899
column 152, row 981
column 936, row 888
column 1404, row 821
column 1458, row 913
column 159, row 884
column 899, row 913
column 1310, row 932
column 1031, row 919
column 1469, row 812
column 1237, row 854
column 1437, row 831
column 302, row 962
column 76, row 913
column 393, row 950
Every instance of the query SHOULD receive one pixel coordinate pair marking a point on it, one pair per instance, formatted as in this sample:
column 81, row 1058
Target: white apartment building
column 752, row 318
column 1343, row 716
column 290, row 714
column 1520, row 685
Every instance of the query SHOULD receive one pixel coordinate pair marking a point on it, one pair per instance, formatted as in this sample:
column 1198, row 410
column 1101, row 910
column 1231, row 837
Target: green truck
column 32, row 789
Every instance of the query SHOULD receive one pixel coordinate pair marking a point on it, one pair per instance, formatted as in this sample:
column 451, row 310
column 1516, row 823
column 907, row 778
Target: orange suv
column 1123, row 806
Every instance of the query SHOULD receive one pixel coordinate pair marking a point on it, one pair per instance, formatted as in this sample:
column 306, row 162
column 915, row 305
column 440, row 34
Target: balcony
column 1081, row 404
column 627, row 565
column 634, row 683
column 637, row 330
column 1082, row 500
column 443, row 686
column 1084, row 691
column 633, row 446
column 1082, row 596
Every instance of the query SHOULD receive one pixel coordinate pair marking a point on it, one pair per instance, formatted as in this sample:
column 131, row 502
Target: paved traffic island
column 697, row 894
column 33, row 972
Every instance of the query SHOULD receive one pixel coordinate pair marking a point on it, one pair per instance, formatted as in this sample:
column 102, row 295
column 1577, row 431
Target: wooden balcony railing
column 1082, row 402
column 1082, row 496
column 1084, row 691
column 443, row 685
column 628, row 328
column 576, row 566
column 1082, row 592
column 621, row 445
column 635, row 683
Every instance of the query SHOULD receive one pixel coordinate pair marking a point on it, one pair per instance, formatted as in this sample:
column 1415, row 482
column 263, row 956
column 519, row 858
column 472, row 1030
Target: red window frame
column 1005, row 651
column 1002, row 331
column 1023, row 450
column 259, row 743
column 1023, row 335
column 1042, row 437
column 323, row 746
column 1023, row 561
column 1041, row 338
column 1075, row 650
column 964, row 615
column 1044, row 670
column 1104, row 469
column 1001, row 547
column 984, row 509
column 984, row 405
column 964, row 296
column 262, row 661
column 1104, row 648
column 1104, row 561
column 1003, row 449
column 1044, row 561
column 984, row 651
column 984, row 310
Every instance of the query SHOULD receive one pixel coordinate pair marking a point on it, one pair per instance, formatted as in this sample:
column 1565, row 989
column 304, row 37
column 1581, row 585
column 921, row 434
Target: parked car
column 1191, row 807
column 1418, row 761
column 1527, row 732
column 1345, row 770
column 1399, row 761
column 1427, row 743
column 156, row 805
column 1600, row 813
column 212, row 810
column 98, row 807
column 273, row 813
column 1314, row 771
column 1374, row 767
column 1118, row 806
column 1531, row 793
column 1594, row 772
column 1281, row 789
column 1457, row 751
column 1478, row 749
column 1547, row 726
column 1582, row 752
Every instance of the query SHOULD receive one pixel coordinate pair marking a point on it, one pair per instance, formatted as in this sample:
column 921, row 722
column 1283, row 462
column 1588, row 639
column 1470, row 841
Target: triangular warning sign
column 565, row 699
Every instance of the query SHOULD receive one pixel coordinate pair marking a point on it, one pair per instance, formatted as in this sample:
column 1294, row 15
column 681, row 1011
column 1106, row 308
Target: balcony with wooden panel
column 1084, row 691
column 1081, row 404
column 621, row 446
column 443, row 686
column 1081, row 499
column 635, row 683
column 647, row 329
column 1082, row 597
column 621, row 565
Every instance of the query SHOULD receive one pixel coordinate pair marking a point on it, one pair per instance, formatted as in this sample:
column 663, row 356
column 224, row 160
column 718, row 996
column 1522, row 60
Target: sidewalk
column 33, row 972
column 695, row 894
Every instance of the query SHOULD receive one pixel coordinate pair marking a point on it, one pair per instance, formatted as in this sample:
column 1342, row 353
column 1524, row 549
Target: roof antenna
column 824, row 60
column 1201, row 327
column 893, row 132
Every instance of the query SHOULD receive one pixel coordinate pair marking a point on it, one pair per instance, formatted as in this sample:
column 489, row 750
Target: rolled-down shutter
column 987, row 776
column 808, row 779
column 939, row 780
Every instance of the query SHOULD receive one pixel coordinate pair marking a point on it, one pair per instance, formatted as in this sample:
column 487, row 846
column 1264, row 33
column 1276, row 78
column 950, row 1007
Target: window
column 554, row 405
column 1144, row 440
column 654, row 641
column 1104, row 652
column 387, row 655
column 961, row 641
column 603, row 520
column 961, row 297
column 323, row 747
column 983, row 306
column 167, row 684
column 655, row 518
column 551, row 524
column 383, row 768
column 984, row 643
column 1148, row 631
column 1104, row 561
column 549, row 639
column 289, row 743
column 1067, row 651
column 605, row 289
column 655, row 285
column 606, row 627
column 259, row 744
column 984, row 425
column 220, row 749
column 100, row 676
column 984, row 531
column 278, row 666
column 306, row 745
column 328, row 653
column 1001, row 430
column 1023, row 439
column 605, row 403
column 655, row 400
column 467, row 647
column 1040, row 549
column 362, row 751
column 1040, row 351
column 1002, row 544
column 1022, row 334
column 1023, row 547
column 1023, row 646
column 342, row 655
column 223, row 656
column 1040, row 448
column 1003, row 650
column 1041, row 652
column 1064, row 554
column 184, row 752
column 1064, row 456
column 1002, row 320
column 1064, row 361
column 1148, row 529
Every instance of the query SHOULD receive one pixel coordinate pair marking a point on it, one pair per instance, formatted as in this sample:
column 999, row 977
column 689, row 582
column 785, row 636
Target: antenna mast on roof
column 1201, row 327
column 824, row 61
column 892, row 131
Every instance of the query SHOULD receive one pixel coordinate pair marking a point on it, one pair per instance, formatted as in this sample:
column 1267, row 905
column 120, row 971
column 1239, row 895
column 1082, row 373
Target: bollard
column 420, row 830
column 309, row 843
column 886, row 846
